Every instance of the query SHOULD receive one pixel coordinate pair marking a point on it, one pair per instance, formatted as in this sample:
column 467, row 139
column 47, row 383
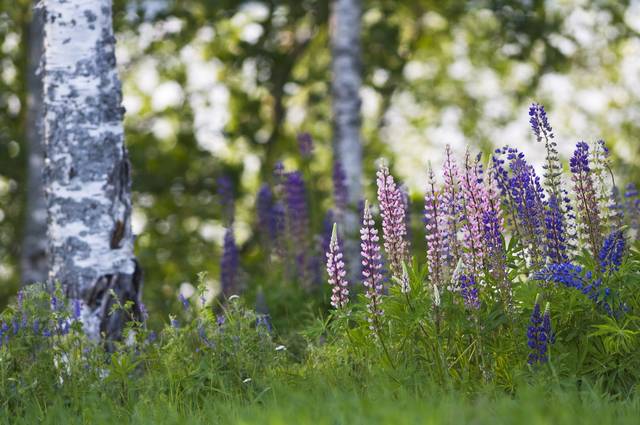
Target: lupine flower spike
column 540, row 334
column 371, row 267
column 586, row 197
column 437, row 226
column 336, row 272
column 229, row 264
column 393, row 221
column 452, row 204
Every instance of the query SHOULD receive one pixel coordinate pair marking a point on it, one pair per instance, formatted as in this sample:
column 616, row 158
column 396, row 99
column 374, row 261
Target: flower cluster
column 539, row 334
column 336, row 272
column 436, row 223
column 394, row 226
column 371, row 266
column 610, row 257
column 586, row 196
column 229, row 264
column 469, row 292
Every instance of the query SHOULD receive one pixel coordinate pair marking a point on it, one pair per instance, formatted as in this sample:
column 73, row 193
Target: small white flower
column 233, row 297
column 281, row 348
column 246, row 381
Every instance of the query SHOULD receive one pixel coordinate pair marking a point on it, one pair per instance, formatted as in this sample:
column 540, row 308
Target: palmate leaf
column 615, row 338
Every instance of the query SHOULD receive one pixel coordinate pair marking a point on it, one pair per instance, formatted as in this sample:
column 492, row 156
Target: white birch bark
column 346, row 82
column 33, row 261
column 87, row 169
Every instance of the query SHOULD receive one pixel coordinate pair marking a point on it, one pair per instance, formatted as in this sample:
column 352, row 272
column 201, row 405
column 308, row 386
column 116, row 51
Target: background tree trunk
column 87, row 170
column 33, row 261
column 346, row 82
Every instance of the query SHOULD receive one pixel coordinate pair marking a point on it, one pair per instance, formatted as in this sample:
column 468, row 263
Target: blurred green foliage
column 223, row 87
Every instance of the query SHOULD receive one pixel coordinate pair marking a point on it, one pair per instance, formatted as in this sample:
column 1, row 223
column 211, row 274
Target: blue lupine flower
column 220, row 319
column 539, row 122
column 539, row 334
column 144, row 313
column 556, row 246
column 175, row 323
column 469, row 292
column 264, row 321
column 54, row 303
column 610, row 257
column 46, row 332
column 77, row 308
column 15, row 325
column 305, row 145
column 226, row 198
column 20, row 299
column 264, row 208
column 229, row 264
column 184, row 301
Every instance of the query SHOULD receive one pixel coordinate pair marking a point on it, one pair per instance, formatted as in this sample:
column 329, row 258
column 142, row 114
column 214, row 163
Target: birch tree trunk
column 33, row 261
column 346, row 82
column 87, row 171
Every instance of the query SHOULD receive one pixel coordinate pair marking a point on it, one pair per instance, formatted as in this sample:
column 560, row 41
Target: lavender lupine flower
column 340, row 192
column 337, row 272
column 475, row 203
column 539, row 122
column 632, row 206
column 452, row 204
column 586, row 197
column 264, row 209
column 296, row 209
column 539, row 334
column 184, row 301
column 469, row 292
column 305, row 145
column 371, row 267
column 610, row 257
column 394, row 227
column 437, row 226
column 77, row 308
column 226, row 199
column 229, row 264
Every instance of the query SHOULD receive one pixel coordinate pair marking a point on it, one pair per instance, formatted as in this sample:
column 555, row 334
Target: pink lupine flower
column 452, row 205
column 394, row 226
column 336, row 271
column 436, row 223
column 371, row 266
column 475, row 201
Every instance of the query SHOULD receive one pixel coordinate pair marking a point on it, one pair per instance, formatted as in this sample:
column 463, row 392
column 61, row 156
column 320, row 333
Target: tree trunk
column 346, row 81
column 87, row 171
column 33, row 261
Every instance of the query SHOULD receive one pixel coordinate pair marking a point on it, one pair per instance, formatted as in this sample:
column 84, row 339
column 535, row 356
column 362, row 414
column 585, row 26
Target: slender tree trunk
column 87, row 171
column 34, row 246
column 346, row 82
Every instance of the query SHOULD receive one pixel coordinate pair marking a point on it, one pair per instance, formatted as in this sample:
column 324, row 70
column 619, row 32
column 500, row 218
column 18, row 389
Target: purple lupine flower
column 20, row 300
column 297, row 210
column 539, row 122
column 436, row 224
column 610, row 257
column 475, row 203
column 184, row 301
column 175, row 323
column 77, row 308
column 524, row 197
column 340, row 191
column 337, row 272
column 46, row 333
column 144, row 313
column 36, row 327
column 305, row 145
column 539, row 334
column 226, row 199
column 264, row 208
column 493, row 227
column 278, row 171
column 229, row 264
column 394, row 227
column 469, row 292
column 632, row 206
column 371, row 267
column 452, row 204
column 586, row 197
column 15, row 324
column 556, row 246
